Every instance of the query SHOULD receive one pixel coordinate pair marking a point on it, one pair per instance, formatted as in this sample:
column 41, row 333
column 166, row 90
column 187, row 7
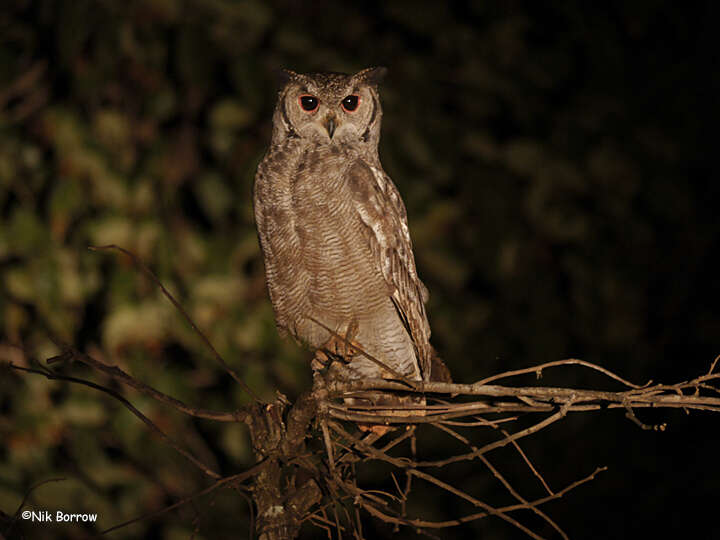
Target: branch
column 175, row 303
column 53, row 376
column 236, row 478
column 70, row 353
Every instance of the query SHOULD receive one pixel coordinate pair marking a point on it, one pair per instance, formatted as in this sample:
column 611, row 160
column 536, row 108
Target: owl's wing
column 378, row 203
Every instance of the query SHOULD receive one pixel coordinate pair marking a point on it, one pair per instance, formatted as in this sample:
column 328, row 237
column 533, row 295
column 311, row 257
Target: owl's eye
column 308, row 103
column 351, row 102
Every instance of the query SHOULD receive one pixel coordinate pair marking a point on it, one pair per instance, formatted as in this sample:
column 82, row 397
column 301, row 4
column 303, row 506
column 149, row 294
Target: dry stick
column 175, row 303
column 335, row 514
column 637, row 397
column 322, row 509
column 347, row 517
column 570, row 361
column 339, row 388
column 504, row 481
column 397, row 487
column 369, row 439
column 404, row 464
column 560, row 493
column 495, row 425
column 240, row 477
column 462, row 494
column 251, row 511
column 397, row 440
column 503, row 442
column 328, row 446
column 714, row 363
column 53, row 376
column 401, row 463
column 327, row 529
column 489, row 510
column 480, row 515
column 341, row 414
column 25, row 498
column 414, row 472
column 529, row 463
column 408, row 476
column 479, row 422
column 127, row 379
column 358, row 521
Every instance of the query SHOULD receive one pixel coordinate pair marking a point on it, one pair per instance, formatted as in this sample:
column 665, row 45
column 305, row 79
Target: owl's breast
column 318, row 259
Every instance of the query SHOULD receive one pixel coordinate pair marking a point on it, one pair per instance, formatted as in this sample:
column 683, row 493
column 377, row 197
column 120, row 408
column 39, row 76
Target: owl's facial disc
column 331, row 108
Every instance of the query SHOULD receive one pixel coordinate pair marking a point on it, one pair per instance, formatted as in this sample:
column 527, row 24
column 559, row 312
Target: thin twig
column 122, row 376
column 240, row 477
column 567, row 362
column 176, row 446
column 187, row 317
column 529, row 463
column 504, row 481
column 502, row 442
column 25, row 498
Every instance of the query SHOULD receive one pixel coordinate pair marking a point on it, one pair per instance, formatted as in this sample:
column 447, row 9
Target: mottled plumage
column 333, row 227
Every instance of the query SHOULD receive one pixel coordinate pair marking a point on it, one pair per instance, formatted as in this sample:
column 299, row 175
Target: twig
column 127, row 379
column 504, row 481
column 175, row 303
column 53, row 376
column 568, row 362
column 25, row 498
column 529, row 463
column 499, row 444
column 240, row 477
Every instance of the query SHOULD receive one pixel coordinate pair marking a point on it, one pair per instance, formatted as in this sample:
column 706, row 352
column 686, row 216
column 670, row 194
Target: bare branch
column 54, row 376
column 234, row 479
column 568, row 362
column 175, row 303
column 70, row 353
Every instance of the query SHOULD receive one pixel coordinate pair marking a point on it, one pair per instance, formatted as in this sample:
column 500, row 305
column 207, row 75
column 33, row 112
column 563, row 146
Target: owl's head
column 329, row 108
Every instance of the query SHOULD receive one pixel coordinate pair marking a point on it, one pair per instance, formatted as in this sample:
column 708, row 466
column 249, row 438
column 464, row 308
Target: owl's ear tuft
column 284, row 76
column 373, row 75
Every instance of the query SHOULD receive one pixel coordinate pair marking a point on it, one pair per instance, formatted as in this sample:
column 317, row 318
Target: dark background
column 559, row 168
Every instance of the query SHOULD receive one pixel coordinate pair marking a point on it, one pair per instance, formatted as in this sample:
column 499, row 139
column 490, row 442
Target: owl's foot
column 321, row 361
column 338, row 348
column 344, row 347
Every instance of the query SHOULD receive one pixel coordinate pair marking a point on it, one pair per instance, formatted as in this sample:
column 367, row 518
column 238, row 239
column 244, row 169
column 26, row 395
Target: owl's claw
column 320, row 361
column 341, row 348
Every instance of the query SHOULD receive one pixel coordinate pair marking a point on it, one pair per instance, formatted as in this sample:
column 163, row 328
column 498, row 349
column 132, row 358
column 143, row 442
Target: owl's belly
column 320, row 266
column 333, row 279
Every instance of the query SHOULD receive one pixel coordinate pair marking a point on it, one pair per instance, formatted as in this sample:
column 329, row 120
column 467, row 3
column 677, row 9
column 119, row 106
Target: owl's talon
column 320, row 361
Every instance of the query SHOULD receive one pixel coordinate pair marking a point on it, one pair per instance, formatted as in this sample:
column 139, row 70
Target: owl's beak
column 330, row 125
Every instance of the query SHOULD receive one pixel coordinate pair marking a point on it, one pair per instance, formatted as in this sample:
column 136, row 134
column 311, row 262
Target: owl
column 333, row 230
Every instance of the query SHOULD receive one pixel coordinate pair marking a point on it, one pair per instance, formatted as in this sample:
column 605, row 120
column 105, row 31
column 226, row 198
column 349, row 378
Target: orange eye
column 308, row 103
column 350, row 103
